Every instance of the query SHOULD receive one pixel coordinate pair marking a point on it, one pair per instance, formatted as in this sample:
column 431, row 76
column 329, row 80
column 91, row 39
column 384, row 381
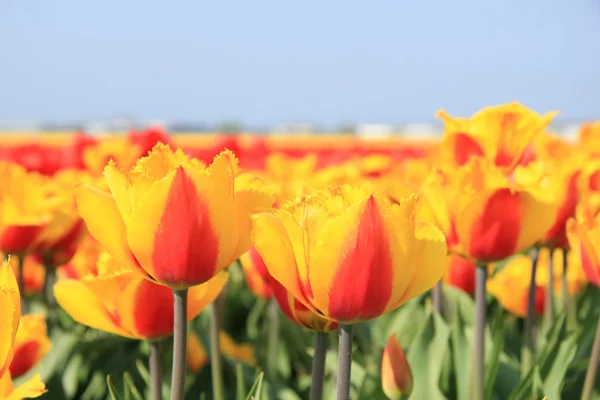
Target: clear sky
column 326, row 61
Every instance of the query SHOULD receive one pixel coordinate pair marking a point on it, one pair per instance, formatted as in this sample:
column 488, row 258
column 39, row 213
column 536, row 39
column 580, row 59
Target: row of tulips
column 136, row 237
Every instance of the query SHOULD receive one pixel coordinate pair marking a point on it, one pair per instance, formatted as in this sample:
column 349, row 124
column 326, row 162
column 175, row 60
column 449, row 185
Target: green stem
column 179, row 344
column 549, row 295
column 215, row 354
column 273, row 338
column 21, row 281
column 568, row 301
column 344, row 362
column 590, row 375
column 480, row 321
column 155, row 370
column 437, row 297
column 528, row 350
column 47, row 293
column 318, row 366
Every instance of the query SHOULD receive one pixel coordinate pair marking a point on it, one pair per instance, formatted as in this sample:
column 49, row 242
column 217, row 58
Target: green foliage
column 90, row 365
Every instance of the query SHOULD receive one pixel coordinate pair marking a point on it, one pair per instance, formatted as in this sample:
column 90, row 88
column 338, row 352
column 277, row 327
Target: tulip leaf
column 555, row 378
column 114, row 394
column 461, row 351
column 403, row 324
column 240, row 389
column 256, row 387
column 426, row 357
column 460, row 303
column 493, row 357
column 131, row 389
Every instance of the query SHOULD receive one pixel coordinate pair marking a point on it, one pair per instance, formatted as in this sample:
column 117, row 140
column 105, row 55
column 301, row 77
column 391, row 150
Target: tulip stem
column 528, row 350
column 179, row 344
column 590, row 375
column 568, row 301
column 437, row 297
column 47, row 293
column 272, row 338
column 215, row 355
column 21, row 281
column 480, row 321
column 344, row 362
column 155, row 371
column 549, row 306
column 318, row 366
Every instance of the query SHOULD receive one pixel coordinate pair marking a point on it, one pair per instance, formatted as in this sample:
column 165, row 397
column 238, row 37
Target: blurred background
column 374, row 68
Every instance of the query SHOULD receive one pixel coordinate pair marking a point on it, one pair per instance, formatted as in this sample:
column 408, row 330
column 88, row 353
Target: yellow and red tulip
column 31, row 389
column 396, row 375
column 122, row 302
column 256, row 274
column 172, row 218
column 348, row 255
column 118, row 149
column 10, row 306
column 24, row 208
column 31, row 344
column 583, row 233
column 502, row 134
column 485, row 215
column 197, row 356
column 510, row 286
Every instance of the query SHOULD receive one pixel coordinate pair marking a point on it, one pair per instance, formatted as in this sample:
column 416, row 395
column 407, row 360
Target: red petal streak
column 153, row 310
column 556, row 235
column 495, row 234
column 185, row 246
column 24, row 359
column 17, row 239
column 461, row 274
column 589, row 266
column 465, row 147
column 362, row 286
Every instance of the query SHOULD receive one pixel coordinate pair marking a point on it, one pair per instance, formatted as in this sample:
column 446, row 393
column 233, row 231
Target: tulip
column 120, row 150
column 10, row 306
column 148, row 138
column 583, row 233
column 396, row 375
column 510, row 287
column 197, row 356
column 488, row 216
column 156, row 216
column 120, row 301
column 31, row 344
column 24, row 208
column 256, row 274
column 461, row 274
column 350, row 256
column 30, row 389
column 501, row 134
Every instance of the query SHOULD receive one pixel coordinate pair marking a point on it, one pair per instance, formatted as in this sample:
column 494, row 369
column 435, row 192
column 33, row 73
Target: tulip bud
column 396, row 376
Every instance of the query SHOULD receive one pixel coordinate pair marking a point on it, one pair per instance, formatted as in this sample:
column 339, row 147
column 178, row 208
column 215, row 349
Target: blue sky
column 263, row 62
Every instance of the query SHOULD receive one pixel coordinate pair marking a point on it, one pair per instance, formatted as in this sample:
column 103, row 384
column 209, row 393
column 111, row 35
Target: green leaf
column 493, row 357
column 555, row 378
column 426, row 356
column 114, row 394
column 403, row 323
column 131, row 388
column 240, row 389
column 461, row 351
column 257, row 384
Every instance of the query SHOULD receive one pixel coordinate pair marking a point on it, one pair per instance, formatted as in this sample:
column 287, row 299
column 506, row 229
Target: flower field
column 149, row 265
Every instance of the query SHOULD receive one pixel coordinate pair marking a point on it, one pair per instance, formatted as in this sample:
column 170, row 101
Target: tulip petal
column 146, row 309
column 351, row 270
column 248, row 202
column 32, row 388
column 537, row 219
column 10, row 306
column 103, row 219
column 200, row 296
column 196, row 353
column 172, row 234
column 91, row 312
column 119, row 187
column 273, row 243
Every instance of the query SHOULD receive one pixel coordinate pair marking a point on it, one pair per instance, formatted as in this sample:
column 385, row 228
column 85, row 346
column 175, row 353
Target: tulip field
column 153, row 265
